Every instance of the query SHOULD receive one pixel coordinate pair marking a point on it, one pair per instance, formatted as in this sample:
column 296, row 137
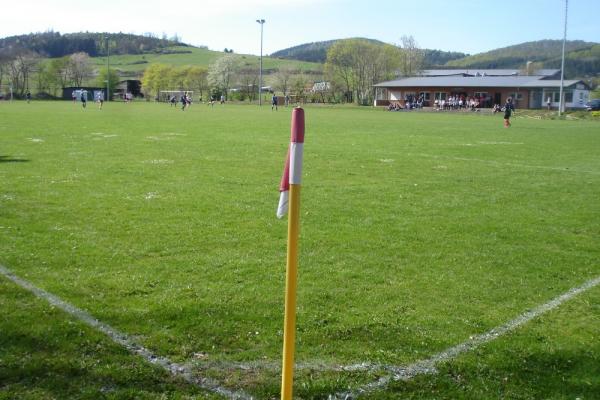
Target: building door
column 498, row 98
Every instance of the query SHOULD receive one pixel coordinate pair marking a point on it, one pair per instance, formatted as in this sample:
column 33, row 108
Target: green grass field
column 418, row 231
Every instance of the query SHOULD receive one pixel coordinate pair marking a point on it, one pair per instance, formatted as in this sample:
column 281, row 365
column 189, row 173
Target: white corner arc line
column 397, row 373
column 124, row 340
column 427, row 366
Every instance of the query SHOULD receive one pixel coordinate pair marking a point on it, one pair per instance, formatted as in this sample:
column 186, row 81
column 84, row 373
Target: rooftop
column 476, row 81
column 487, row 72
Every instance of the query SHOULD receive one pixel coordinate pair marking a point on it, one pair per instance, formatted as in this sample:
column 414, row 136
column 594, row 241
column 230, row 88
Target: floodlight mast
column 561, row 103
column 107, row 69
column 261, row 22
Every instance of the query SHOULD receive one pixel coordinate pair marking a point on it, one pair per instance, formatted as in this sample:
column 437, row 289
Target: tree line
column 25, row 70
column 54, row 44
column 317, row 52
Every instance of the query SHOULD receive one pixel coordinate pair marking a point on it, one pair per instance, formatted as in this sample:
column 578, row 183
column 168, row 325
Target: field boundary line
column 427, row 366
column 175, row 369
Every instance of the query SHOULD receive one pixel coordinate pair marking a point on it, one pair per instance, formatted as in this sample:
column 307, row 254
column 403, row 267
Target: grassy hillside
column 133, row 65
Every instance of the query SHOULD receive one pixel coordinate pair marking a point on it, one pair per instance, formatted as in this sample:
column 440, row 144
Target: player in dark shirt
column 508, row 110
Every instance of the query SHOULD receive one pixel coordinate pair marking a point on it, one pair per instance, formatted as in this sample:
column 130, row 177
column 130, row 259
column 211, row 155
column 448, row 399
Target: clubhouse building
column 490, row 86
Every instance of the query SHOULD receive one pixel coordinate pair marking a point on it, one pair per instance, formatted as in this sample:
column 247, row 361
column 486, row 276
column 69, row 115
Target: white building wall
column 580, row 98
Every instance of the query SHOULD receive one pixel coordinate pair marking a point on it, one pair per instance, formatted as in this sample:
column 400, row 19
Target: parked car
column 593, row 105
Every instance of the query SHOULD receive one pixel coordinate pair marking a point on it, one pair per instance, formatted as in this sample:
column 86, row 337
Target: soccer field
column 419, row 232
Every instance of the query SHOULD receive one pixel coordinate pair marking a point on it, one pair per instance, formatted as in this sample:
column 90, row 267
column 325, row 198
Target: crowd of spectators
column 455, row 102
column 410, row 102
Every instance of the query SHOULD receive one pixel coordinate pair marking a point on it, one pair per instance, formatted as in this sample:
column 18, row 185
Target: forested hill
column 53, row 44
column 317, row 52
column 313, row 52
column 581, row 58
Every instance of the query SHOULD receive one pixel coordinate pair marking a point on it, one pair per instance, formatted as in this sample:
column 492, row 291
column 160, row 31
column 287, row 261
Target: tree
column 412, row 56
column 197, row 79
column 299, row 83
column 155, row 79
column 221, row 72
column 112, row 77
column 44, row 78
column 282, row 79
column 387, row 62
column 60, row 70
column 248, row 81
column 177, row 78
column 20, row 69
column 4, row 61
column 355, row 65
column 80, row 67
column 339, row 67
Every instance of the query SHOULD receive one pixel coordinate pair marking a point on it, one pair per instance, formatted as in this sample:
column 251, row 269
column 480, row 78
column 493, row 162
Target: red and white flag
column 292, row 172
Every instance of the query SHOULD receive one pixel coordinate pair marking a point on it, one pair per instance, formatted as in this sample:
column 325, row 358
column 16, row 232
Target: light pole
column 261, row 22
column 107, row 69
column 562, row 67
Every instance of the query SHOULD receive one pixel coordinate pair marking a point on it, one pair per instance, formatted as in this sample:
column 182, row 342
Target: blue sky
column 469, row 26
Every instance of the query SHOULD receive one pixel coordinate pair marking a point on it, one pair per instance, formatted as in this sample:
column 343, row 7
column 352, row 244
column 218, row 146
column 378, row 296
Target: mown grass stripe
column 124, row 340
column 428, row 366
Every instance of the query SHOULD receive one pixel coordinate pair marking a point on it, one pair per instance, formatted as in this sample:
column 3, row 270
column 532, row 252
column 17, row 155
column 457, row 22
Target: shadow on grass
column 565, row 373
column 45, row 354
column 8, row 159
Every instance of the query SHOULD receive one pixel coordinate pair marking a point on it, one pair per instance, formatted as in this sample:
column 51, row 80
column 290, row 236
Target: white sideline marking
column 428, row 366
column 118, row 337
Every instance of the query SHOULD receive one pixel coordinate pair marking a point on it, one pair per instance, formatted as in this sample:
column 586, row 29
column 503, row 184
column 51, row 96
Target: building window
column 440, row 95
column 481, row 95
column 516, row 96
column 381, row 94
column 425, row 96
column 569, row 97
column 555, row 96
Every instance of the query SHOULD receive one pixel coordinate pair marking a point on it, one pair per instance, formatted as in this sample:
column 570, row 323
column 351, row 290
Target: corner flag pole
column 290, row 182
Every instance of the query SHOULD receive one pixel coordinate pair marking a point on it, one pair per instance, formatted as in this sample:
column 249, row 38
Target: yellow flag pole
column 291, row 180
column 291, row 280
